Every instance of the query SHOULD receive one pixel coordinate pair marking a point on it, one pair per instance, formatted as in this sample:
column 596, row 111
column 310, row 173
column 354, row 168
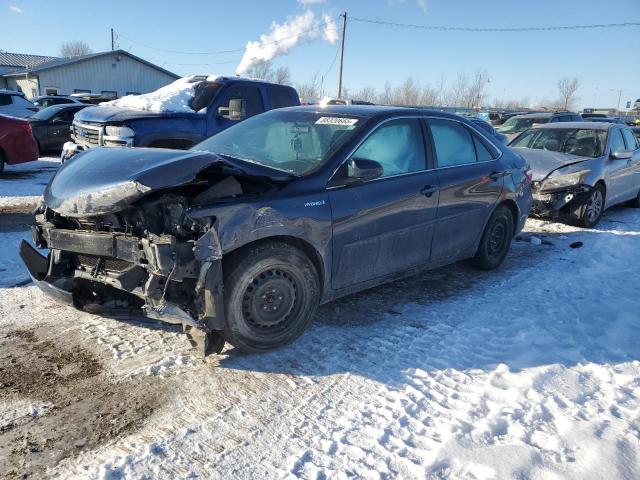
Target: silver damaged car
column 581, row 168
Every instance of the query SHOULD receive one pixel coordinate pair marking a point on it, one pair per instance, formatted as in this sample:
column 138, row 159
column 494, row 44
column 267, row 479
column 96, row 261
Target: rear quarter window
column 5, row 99
column 279, row 97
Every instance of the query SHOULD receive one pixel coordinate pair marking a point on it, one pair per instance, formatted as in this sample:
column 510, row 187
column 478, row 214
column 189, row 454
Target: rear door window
column 453, row 143
column 397, row 145
column 279, row 97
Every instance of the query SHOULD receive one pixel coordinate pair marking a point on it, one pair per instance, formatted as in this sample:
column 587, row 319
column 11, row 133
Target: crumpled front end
column 555, row 203
column 153, row 256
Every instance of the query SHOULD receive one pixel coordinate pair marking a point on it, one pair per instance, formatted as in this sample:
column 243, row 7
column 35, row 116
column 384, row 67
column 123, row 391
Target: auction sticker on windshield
column 347, row 122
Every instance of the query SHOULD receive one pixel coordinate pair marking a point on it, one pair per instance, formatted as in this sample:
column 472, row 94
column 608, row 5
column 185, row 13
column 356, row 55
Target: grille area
column 88, row 134
column 112, row 264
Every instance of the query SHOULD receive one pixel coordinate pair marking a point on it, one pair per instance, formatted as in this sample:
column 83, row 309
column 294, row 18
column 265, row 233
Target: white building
column 115, row 73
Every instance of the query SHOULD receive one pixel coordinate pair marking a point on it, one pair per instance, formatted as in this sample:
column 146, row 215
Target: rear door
column 470, row 176
column 384, row 226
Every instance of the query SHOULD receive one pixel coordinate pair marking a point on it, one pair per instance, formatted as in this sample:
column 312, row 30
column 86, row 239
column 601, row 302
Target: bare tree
column 366, row 94
column 261, row 70
column 407, row 93
column 311, row 88
column 282, row 76
column 567, row 88
column 428, row 96
column 477, row 92
column 74, row 48
column 386, row 96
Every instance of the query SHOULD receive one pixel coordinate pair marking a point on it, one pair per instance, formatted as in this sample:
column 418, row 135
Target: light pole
column 619, row 98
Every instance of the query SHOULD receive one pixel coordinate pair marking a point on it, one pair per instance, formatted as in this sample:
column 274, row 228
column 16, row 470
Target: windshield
column 581, row 142
column 292, row 141
column 515, row 124
column 47, row 113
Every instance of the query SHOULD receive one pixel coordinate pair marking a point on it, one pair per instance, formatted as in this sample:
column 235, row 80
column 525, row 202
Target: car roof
column 569, row 125
column 543, row 114
column 11, row 92
column 369, row 111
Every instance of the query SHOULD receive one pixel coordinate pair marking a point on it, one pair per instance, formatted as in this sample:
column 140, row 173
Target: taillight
column 33, row 109
column 27, row 127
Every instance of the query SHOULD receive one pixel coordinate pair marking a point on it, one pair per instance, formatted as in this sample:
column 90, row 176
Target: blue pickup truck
column 216, row 104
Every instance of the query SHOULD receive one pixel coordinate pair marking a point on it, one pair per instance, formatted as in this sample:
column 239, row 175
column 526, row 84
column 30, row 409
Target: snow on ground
column 12, row 270
column 26, row 180
column 175, row 97
column 531, row 371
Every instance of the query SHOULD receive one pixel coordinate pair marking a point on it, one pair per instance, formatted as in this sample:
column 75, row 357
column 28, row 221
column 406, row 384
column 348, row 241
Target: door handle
column 428, row 190
column 498, row 175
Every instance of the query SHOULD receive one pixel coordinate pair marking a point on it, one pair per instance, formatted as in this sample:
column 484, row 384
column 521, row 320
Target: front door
column 620, row 170
column 471, row 181
column 384, row 226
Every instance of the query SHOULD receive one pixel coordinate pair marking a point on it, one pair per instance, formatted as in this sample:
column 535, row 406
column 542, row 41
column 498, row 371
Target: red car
column 17, row 144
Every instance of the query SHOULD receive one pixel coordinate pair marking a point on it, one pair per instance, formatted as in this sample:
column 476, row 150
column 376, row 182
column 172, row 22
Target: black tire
column 635, row 203
column 588, row 212
column 2, row 162
column 496, row 239
column 272, row 292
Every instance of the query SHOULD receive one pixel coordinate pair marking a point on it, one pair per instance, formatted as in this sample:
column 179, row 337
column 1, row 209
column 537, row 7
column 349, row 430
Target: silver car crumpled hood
column 543, row 162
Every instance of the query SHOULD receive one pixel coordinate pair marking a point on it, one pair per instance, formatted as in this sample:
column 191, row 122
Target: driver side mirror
column 363, row 170
column 622, row 154
column 237, row 110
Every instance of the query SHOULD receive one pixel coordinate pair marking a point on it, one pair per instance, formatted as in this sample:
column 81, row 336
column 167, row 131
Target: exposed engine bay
column 150, row 255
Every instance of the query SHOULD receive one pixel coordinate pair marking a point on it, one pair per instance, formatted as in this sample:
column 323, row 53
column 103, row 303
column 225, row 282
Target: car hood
column 543, row 162
column 106, row 180
column 117, row 114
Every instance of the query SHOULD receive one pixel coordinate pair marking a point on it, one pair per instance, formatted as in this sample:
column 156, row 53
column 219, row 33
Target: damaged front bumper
column 552, row 203
column 178, row 282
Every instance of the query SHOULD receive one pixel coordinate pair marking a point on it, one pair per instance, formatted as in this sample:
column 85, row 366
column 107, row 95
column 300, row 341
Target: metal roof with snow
column 10, row 62
column 55, row 62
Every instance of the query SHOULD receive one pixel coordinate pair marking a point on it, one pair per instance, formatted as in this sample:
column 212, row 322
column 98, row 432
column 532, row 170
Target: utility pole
column 113, row 44
column 619, row 98
column 344, row 30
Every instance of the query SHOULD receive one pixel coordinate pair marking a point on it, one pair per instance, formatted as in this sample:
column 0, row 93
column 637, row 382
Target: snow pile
column 529, row 371
column 175, row 97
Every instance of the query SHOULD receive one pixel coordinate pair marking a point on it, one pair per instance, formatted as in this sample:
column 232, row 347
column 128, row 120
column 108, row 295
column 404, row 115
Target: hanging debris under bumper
column 174, row 281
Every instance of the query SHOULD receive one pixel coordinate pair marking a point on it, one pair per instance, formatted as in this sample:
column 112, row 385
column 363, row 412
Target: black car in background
column 241, row 237
column 45, row 101
column 51, row 125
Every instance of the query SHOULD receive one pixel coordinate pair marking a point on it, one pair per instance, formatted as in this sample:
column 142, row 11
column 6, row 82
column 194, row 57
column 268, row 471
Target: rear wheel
column 272, row 292
column 589, row 212
column 496, row 239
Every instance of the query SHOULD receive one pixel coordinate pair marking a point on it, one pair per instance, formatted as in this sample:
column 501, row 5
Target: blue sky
column 526, row 64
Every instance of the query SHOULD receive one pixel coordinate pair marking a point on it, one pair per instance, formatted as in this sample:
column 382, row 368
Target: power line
column 235, row 50
column 495, row 29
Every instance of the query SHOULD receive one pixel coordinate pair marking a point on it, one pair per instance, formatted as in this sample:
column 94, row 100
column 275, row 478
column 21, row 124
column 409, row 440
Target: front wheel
column 272, row 292
column 496, row 239
column 589, row 212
